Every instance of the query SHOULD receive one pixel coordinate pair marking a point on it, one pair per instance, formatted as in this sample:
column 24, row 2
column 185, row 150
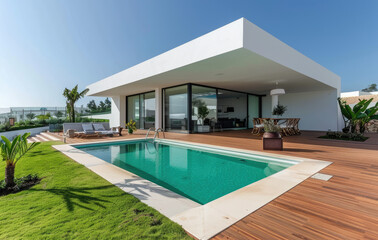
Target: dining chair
column 258, row 126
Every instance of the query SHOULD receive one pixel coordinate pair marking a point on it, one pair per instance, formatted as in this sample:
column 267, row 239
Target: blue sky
column 46, row 46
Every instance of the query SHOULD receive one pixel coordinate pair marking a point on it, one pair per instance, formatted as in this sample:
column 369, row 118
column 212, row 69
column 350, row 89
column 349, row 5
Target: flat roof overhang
column 239, row 56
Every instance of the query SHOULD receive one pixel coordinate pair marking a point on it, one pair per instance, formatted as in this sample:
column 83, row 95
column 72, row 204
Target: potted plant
column 203, row 112
column 272, row 139
column 131, row 126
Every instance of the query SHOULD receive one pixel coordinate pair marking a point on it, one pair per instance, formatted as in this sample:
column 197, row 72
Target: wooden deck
column 345, row 207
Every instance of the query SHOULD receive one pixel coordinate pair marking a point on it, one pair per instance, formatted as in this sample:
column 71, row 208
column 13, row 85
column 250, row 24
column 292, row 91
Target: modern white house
column 238, row 72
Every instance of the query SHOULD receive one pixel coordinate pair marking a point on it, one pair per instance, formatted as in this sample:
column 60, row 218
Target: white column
column 158, row 108
column 118, row 114
column 274, row 101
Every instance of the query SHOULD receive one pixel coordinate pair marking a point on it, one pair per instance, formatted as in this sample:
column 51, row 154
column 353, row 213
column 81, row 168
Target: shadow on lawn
column 79, row 196
column 39, row 153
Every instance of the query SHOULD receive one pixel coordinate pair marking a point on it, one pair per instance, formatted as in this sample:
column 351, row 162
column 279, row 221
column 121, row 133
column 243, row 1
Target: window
column 133, row 109
column 176, row 108
column 141, row 109
column 232, row 109
column 204, row 108
column 148, row 110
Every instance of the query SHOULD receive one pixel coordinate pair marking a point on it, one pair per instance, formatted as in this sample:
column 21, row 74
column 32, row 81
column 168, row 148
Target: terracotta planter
column 272, row 141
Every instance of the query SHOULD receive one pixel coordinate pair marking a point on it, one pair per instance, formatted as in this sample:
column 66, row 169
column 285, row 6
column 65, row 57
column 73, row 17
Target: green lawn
column 71, row 202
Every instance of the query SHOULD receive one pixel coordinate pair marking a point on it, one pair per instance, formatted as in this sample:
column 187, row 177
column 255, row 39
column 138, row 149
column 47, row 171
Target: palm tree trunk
column 73, row 112
column 9, row 175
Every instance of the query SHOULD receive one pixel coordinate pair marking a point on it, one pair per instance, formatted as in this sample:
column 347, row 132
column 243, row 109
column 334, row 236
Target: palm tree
column 11, row 152
column 72, row 97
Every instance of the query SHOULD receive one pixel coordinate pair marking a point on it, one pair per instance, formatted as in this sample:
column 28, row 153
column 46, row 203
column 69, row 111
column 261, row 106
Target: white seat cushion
column 106, row 132
column 98, row 127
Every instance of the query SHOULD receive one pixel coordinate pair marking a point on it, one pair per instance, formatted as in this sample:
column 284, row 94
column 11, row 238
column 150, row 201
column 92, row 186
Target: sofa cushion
column 87, row 127
column 98, row 127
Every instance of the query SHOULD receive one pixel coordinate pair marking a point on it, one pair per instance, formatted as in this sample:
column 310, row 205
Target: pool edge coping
column 203, row 221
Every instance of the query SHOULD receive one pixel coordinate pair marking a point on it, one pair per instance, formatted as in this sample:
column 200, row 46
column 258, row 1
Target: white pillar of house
column 274, row 93
column 118, row 112
column 158, row 108
column 274, row 101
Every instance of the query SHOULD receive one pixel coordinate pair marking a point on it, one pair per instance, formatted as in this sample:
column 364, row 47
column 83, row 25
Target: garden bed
column 345, row 136
column 22, row 183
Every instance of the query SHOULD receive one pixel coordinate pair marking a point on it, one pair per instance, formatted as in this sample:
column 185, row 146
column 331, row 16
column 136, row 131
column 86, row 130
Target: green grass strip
column 71, row 202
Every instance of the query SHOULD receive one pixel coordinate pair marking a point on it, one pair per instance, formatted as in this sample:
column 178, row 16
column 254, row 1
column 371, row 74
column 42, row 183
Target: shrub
column 356, row 117
column 20, row 184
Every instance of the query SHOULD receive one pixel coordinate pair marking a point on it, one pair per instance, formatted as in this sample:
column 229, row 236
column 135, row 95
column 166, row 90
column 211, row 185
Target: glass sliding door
column 253, row 109
column 204, row 108
column 194, row 108
column 133, row 109
column 141, row 109
column 176, row 108
column 148, row 110
column 232, row 109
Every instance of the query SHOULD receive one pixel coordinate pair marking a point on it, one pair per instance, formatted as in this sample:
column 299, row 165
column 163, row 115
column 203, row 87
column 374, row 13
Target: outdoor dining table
column 277, row 120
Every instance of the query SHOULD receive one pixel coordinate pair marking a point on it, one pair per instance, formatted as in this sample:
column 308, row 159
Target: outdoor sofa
column 89, row 129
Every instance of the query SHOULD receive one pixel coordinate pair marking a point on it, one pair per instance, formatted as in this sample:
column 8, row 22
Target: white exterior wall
column 100, row 116
column 118, row 114
column 357, row 94
column 33, row 131
column 354, row 94
column 318, row 110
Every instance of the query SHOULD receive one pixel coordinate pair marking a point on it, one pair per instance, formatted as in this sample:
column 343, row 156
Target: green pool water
column 200, row 174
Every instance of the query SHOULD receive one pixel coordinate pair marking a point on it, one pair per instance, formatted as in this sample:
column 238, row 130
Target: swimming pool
column 201, row 174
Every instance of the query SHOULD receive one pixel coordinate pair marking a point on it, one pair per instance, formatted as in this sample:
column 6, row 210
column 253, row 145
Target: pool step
column 42, row 137
column 47, row 135
column 35, row 139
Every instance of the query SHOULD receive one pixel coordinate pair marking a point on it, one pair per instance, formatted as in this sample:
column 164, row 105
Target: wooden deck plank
column 345, row 207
